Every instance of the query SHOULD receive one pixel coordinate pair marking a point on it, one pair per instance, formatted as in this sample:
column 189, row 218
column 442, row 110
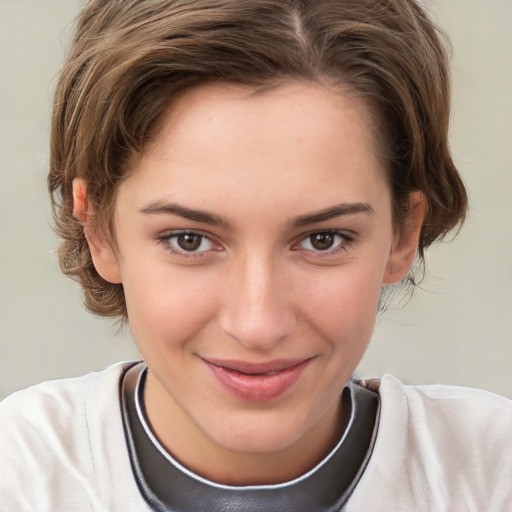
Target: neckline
column 168, row 486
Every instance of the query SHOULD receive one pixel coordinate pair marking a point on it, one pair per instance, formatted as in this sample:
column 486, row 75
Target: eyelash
column 345, row 241
column 167, row 241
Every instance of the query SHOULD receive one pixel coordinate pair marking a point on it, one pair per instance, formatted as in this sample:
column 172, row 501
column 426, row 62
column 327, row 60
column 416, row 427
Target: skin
column 256, row 289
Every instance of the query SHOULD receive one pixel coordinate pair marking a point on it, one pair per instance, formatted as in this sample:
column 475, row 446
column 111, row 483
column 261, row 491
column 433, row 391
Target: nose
column 258, row 307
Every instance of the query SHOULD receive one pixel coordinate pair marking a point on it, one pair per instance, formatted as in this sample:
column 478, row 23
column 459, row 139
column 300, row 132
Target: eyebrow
column 187, row 213
column 333, row 212
column 215, row 220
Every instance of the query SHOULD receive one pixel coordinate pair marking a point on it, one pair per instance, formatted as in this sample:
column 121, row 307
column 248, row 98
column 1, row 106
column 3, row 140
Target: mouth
column 257, row 382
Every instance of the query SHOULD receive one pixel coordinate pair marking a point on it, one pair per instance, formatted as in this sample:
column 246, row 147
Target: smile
column 257, row 382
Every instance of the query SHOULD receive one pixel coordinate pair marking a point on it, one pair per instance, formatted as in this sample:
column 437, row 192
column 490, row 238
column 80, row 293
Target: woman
column 239, row 181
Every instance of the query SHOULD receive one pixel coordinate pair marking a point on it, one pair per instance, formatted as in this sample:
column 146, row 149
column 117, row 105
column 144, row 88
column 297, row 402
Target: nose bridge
column 257, row 311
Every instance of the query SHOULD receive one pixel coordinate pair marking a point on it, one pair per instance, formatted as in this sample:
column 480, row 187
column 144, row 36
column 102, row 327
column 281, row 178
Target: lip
column 257, row 382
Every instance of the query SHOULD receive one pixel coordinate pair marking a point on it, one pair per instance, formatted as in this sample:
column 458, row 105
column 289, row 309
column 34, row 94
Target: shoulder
column 441, row 448
column 56, row 399
column 57, row 438
column 56, row 413
column 474, row 407
column 460, row 424
column 440, row 407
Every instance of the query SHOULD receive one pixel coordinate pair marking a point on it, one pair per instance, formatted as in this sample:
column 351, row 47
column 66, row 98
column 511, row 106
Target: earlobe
column 405, row 247
column 103, row 256
column 80, row 204
column 102, row 253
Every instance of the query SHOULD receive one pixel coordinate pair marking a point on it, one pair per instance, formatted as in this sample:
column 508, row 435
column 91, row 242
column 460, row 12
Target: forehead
column 296, row 141
column 213, row 110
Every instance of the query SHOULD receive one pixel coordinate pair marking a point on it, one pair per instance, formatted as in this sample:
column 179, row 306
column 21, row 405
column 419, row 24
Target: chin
column 257, row 436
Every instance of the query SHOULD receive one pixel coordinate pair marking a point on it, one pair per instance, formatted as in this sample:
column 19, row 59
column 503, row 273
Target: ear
column 103, row 255
column 406, row 244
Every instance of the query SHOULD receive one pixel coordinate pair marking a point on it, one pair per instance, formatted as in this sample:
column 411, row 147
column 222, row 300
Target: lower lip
column 258, row 387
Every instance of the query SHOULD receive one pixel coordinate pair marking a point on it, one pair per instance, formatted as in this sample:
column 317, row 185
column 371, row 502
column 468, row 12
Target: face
column 253, row 239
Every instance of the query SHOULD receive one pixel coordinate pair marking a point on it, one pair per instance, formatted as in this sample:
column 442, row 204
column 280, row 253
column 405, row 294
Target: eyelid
column 348, row 240
column 166, row 237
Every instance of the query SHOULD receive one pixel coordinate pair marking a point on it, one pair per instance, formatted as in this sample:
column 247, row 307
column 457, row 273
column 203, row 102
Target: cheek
column 166, row 307
column 345, row 303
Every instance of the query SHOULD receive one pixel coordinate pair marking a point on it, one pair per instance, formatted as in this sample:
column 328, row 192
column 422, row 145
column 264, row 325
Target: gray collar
column 168, row 486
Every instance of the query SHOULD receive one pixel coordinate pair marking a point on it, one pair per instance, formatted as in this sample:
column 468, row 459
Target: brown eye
column 189, row 243
column 323, row 241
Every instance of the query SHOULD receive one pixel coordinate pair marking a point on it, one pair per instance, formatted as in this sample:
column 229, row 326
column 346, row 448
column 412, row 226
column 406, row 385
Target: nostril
column 257, row 310
column 258, row 328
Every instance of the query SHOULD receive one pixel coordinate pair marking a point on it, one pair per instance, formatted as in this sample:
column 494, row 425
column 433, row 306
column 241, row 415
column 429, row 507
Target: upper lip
column 249, row 367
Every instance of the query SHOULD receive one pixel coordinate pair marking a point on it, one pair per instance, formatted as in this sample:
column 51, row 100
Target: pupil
column 322, row 241
column 189, row 242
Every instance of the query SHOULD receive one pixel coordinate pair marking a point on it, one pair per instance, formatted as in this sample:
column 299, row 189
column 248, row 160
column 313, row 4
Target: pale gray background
column 457, row 330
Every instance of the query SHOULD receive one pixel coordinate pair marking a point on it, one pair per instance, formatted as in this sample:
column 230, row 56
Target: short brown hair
column 129, row 58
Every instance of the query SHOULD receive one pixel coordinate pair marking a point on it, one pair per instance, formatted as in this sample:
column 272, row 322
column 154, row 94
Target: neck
column 249, row 457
